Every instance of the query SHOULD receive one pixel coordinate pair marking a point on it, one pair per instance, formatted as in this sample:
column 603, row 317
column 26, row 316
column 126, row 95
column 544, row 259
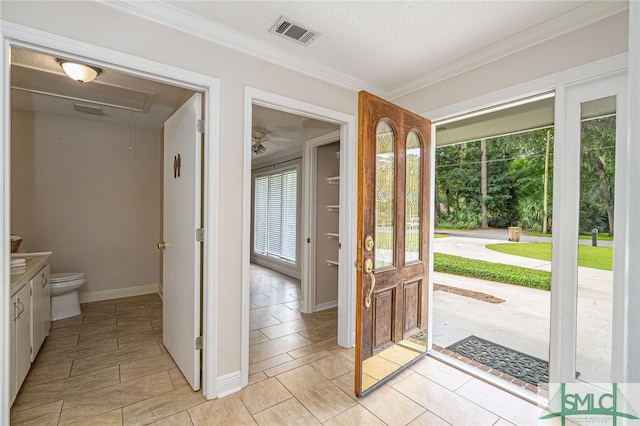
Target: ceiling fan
column 260, row 136
column 257, row 138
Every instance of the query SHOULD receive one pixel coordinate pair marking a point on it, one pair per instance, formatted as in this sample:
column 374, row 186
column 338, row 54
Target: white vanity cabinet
column 20, row 338
column 40, row 309
column 30, row 313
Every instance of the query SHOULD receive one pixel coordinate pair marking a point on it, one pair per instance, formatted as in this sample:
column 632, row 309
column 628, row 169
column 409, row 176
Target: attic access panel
column 59, row 85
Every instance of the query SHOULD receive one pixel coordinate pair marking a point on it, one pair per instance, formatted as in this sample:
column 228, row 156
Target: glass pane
column 413, row 200
column 595, row 251
column 385, row 195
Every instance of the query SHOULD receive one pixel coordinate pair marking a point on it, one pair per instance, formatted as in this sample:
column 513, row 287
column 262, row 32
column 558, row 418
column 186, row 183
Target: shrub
column 498, row 272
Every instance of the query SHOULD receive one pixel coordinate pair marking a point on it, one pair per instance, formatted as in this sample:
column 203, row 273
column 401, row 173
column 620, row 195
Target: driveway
column 522, row 321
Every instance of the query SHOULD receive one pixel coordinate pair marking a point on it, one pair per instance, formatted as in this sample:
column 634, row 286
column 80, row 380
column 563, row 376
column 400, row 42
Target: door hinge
column 200, row 235
column 198, row 343
column 200, row 126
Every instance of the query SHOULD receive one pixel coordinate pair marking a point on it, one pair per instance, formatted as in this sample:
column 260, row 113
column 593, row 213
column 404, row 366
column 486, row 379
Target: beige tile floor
column 107, row 366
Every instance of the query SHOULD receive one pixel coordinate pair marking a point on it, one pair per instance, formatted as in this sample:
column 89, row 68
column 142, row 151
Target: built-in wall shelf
column 332, row 235
column 333, row 207
column 333, row 180
column 332, row 263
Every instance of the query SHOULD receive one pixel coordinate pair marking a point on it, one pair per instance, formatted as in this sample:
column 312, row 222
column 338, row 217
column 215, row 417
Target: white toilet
column 64, row 294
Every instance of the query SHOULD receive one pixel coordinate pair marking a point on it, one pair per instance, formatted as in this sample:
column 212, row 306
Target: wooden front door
column 393, row 247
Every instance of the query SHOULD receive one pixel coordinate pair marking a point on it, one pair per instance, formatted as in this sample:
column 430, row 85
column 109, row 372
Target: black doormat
column 516, row 364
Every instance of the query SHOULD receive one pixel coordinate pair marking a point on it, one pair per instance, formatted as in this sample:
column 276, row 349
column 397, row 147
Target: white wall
column 90, row 194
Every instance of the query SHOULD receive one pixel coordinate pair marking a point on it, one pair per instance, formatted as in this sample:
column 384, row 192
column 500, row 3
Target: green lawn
column 601, row 237
column 588, row 256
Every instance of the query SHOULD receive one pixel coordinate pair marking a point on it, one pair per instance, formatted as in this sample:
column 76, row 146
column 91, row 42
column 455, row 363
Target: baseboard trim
column 229, row 383
column 96, row 296
column 327, row 305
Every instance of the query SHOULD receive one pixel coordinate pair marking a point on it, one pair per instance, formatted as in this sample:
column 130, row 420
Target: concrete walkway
column 522, row 321
column 503, row 235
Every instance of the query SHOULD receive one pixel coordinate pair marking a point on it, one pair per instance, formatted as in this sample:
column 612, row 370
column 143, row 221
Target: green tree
column 597, row 177
column 515, row 171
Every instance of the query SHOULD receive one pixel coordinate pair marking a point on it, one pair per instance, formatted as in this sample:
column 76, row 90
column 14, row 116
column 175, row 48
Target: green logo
column 582, row 403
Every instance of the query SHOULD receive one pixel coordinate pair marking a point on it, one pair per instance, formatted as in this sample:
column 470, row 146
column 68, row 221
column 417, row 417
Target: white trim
column 632, row 270
column 212, row 348
column 29, row 38
column 309, row 217
column 181, row 20
column 5, row 188
column 348, row 167
column 96, row 296
column 604, row 66
column 327, row 305
column 229, row 383
column 348, row 233
column 432, row 215
column 565, row 249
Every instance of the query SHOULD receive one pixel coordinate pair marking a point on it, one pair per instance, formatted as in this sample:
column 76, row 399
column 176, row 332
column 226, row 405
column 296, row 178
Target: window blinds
column 275, row 214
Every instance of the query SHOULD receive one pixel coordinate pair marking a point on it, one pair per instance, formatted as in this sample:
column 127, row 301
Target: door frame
column 565, row 277
column 559, row 82
column 310, row 179
column 20, row 36
column 348, row 163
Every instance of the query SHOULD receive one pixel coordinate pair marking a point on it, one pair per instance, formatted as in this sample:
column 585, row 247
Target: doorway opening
column 135, row 135
column 492, row 251
column 281, row 294
column 275, row 172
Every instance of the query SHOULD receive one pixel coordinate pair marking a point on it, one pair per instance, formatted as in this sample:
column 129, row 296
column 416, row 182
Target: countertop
column 35, row 262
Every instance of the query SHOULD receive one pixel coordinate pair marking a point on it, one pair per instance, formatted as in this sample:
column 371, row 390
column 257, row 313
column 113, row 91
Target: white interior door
column 181, row 251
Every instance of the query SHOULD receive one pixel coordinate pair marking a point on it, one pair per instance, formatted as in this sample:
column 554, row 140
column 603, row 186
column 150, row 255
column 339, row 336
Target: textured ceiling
column 389, row 47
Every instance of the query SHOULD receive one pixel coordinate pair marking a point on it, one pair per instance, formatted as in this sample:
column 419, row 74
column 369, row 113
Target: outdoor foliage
column 492, row 271
column 515, row 169
column 597, row 175
column 515, row 182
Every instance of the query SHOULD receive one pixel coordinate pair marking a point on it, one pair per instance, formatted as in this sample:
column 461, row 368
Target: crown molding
column 563, row 24
column 173, row 17
column 181, row 20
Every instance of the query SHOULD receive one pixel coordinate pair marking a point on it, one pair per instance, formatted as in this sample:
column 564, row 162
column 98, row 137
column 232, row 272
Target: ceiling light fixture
column 79, row 72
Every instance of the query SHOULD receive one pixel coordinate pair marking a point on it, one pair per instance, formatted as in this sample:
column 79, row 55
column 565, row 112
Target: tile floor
column 107, row 366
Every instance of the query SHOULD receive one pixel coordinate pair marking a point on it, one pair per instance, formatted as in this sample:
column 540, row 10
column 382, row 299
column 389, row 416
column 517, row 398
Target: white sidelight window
column 275, row 218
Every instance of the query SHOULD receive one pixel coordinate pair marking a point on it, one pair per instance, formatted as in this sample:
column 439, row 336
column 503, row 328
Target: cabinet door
column 40, row 310
column 46, row 301
column 13, row 389
column 35, row 320
column 23, row 334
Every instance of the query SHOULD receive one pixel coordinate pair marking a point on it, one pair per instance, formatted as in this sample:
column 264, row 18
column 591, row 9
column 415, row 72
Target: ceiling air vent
column 296, row 32
column 89, row 109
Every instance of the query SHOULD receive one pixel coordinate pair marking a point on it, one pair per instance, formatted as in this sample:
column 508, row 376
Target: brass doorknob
column 162, row 245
